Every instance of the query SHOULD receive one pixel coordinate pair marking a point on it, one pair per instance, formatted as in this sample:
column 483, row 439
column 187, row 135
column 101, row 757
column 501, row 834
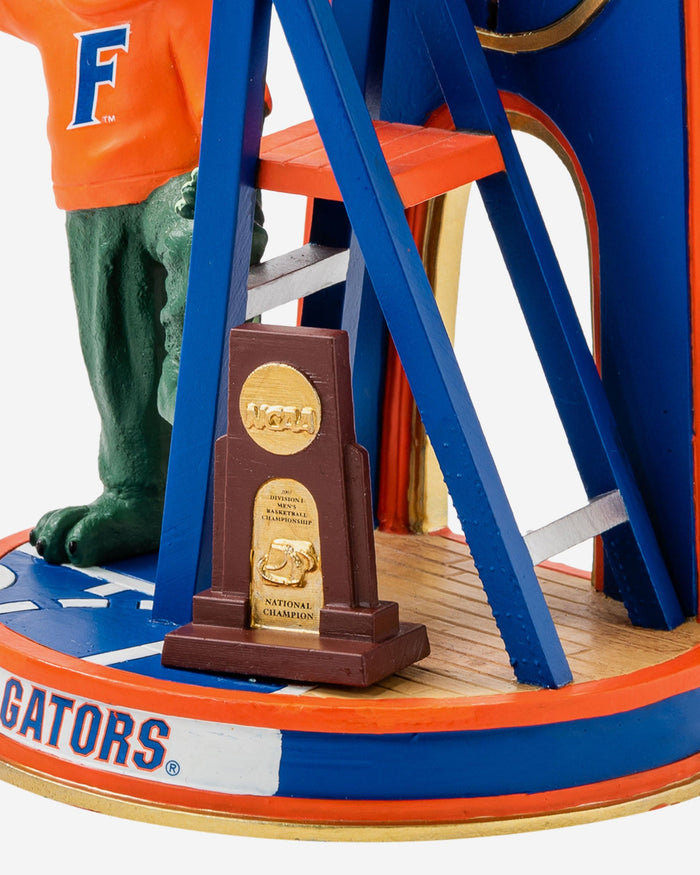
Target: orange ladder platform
column 425, row 162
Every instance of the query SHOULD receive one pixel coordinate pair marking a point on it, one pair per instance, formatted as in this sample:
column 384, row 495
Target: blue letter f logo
column 92, row 71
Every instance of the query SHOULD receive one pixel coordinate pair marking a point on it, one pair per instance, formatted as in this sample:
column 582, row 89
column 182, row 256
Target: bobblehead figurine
column 251, row 678
column 126, row 93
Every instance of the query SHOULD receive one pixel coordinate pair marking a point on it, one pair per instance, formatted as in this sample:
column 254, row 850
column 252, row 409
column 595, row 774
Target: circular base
column 88, row 715
column 93, row 800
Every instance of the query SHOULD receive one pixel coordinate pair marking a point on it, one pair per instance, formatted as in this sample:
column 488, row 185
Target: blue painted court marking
column 101, row 616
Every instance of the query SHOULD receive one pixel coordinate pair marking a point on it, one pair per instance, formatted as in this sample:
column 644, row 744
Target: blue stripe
column 496, row 762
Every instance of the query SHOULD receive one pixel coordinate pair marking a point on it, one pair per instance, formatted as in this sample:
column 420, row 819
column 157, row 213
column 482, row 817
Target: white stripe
column 83, row 603
column 7, row 577
column 601, row 514
column 119, row 582
column 199, row 754
column 108, row 589
column 294, row 275
column 293, row 690
column 12, row 607
column 124, row 581
column 113, row 657
column 116, row 583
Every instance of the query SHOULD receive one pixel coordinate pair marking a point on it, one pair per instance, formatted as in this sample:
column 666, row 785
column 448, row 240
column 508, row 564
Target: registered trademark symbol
column 172, row 767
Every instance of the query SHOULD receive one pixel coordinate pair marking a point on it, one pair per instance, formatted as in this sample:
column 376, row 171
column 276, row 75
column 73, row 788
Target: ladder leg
column 364, row 322
column 217, row 292
column 411, row 313
column 576, row 387
column 329, row 227
column 638, row 567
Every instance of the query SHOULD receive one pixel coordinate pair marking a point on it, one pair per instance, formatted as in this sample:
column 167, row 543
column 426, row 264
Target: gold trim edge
column 547, row 37
column 92, row 799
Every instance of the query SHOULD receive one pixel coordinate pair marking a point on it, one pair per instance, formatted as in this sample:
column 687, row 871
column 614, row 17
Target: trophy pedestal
column 303, row 657
column 294, row 579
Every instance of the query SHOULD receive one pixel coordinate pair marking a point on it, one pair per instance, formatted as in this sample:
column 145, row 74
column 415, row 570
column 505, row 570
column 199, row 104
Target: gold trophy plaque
column 286, row 589
column 294, row 586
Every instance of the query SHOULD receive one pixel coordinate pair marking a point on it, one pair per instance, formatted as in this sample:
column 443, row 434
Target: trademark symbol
column 109, row 119
column 172, row 767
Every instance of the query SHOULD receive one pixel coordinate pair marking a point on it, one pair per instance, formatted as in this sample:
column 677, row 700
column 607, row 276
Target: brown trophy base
column 304, row 656
column 294, row 590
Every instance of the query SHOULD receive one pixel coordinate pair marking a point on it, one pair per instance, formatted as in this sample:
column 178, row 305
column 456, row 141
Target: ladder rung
column 424, row 162
column 602, row 513
column 294, row 275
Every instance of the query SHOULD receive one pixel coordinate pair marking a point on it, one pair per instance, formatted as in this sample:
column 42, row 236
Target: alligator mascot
column 126, row 91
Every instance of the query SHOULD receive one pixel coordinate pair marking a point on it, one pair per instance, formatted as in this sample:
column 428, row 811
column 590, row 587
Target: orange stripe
column 68, row 674
column 521, row 106
column 13, row 542
column 692, row 54
column 589, row 700
column 516, row 103
column 397, row 418
column 361, row 812
column 581, row 573
column 398, row 405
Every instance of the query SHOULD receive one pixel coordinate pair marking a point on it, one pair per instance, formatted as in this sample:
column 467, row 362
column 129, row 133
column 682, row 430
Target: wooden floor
column 434, row 581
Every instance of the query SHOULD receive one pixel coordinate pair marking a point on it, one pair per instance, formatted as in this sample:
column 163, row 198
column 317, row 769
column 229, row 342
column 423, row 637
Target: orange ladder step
column 424, row 162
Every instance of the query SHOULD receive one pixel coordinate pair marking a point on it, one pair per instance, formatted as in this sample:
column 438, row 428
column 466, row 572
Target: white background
column 48, row 440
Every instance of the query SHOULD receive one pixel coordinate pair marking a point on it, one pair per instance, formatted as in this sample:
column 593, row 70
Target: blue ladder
column 218, row 295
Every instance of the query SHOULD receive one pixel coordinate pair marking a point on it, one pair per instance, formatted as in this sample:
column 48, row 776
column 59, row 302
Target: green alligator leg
column 129, row 267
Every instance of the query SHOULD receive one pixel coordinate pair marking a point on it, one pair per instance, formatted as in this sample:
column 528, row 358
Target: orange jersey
column 126, row 91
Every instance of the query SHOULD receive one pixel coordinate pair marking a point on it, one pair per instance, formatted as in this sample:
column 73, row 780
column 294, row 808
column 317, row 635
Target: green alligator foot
column 112, row 527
